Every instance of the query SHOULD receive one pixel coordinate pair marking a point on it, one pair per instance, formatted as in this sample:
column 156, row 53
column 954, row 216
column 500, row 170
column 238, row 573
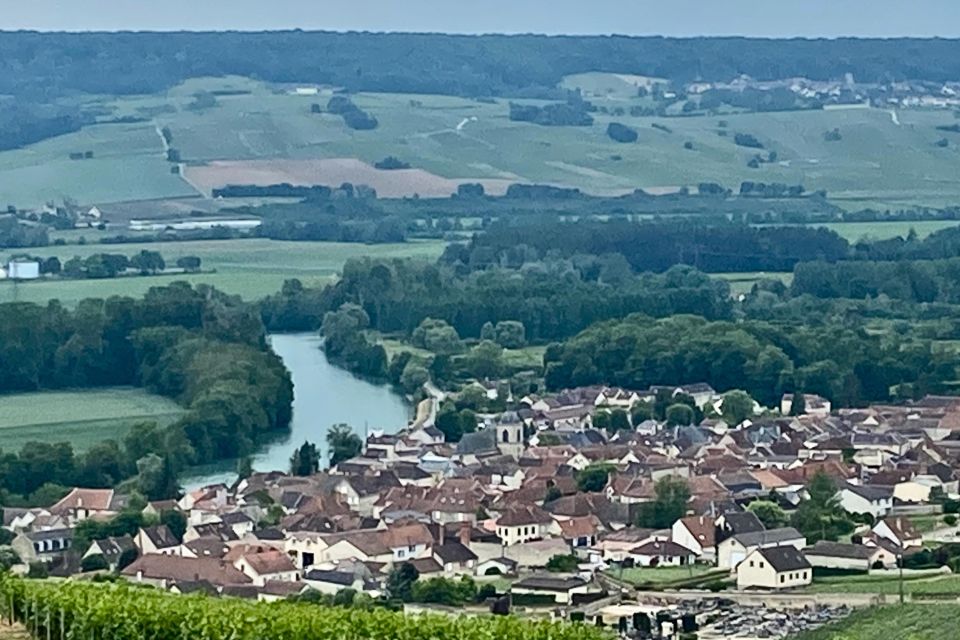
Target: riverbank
column 323, row 395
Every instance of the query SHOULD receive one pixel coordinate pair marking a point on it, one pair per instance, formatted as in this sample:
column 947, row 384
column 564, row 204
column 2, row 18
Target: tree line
column 651, row 245
column 846, row 365
column 487, row 65
column 552, row 301
column 198, row 346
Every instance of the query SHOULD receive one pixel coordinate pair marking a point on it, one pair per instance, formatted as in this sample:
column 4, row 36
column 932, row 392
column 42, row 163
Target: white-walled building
column 774, row 568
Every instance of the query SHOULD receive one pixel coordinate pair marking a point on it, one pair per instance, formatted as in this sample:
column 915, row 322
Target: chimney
column 465, row 534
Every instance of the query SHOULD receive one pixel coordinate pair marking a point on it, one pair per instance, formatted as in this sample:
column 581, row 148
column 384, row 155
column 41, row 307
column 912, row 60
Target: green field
column 853, row 231
column 936, row 586
column 655, row 575
column 908, row 622
column 250, row 268
column 882, row 160
column 51, row 416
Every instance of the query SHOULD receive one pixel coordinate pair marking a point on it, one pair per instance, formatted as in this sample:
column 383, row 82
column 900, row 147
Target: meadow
column 250, row 268
column 908, row 622
column 924, row 585
column 51, row 416
column 883, row 159
column 658, row 575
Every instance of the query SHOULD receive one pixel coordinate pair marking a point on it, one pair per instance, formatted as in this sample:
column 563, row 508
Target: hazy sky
column 668, row 17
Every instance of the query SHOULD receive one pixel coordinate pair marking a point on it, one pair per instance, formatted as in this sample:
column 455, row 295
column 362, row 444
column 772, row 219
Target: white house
column 774, row 568
column 898, row 530
column 697, row 533
column 838, row 555
column 270, row 565
column 916, row 489
column 877, row 501
column 562, row 588
column 523, row 523
column 662, row 554
column 732, row 551
column 23, row 270
column 814, row 405
column 157, row 540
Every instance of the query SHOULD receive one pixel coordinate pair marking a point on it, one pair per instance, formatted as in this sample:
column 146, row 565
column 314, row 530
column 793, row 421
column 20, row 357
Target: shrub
column 950, row 520
column 621, row 133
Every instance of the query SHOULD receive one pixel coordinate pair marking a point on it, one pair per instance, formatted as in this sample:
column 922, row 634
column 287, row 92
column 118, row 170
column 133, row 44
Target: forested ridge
column 48, row 64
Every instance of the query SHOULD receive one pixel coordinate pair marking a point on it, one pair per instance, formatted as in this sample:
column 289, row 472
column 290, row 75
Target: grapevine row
column 86, row 611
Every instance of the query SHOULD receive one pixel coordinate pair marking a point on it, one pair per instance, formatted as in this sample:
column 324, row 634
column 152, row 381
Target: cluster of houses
column 497, row 503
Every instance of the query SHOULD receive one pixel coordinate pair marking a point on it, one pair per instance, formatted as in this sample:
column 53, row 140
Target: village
column 543, row 512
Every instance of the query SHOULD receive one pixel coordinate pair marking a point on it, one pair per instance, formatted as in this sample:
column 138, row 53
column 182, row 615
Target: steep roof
column 841, row 550
column 91, row 499
column 520, row 515
column 785, row 558
column 702, row 528
column 550, row 583
column 742, row 522
column 161, row 536
column 756, row 538
column 270, row 562
column 661, row 548
column 901, row 527
column 454, row 551
column 178, row 569
column 871, row 492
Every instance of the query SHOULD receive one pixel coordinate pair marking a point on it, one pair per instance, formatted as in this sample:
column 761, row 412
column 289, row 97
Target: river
column 323, row 395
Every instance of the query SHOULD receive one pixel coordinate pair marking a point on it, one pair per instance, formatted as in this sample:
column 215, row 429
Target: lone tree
column 400, row 581
column 305, row 460
column 737, row 406
column 344, row 444
column 670, row 504
column 798, row 406
column 593, row 478
column 680, row 414
column 821, row 517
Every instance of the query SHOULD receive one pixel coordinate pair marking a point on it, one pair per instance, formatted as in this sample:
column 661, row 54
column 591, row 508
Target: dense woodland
column 844, row 364
column 204, row 349
column 652, row 246
column 49, row 64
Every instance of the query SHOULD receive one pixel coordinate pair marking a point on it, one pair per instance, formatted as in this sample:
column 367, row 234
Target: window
column 412, row 548
column 761, row 564
column 751, row 563
column 804, row 575
column 781, row 577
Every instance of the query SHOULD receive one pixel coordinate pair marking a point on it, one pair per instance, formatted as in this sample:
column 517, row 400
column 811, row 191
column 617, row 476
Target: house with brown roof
column 697, row 533
column 521, row 523
column 579, row 532
column 81, row 504
column 263, row 565
column 898, row 530
column 164, row 571
column 661, row 553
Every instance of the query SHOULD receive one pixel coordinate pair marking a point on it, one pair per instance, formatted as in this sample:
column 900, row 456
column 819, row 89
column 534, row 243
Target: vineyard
column 74, row 611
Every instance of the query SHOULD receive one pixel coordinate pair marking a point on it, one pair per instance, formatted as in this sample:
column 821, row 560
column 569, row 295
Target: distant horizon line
column 465, row 34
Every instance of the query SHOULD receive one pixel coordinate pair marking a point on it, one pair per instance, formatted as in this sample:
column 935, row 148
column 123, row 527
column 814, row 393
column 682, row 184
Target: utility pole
column 900, row 564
